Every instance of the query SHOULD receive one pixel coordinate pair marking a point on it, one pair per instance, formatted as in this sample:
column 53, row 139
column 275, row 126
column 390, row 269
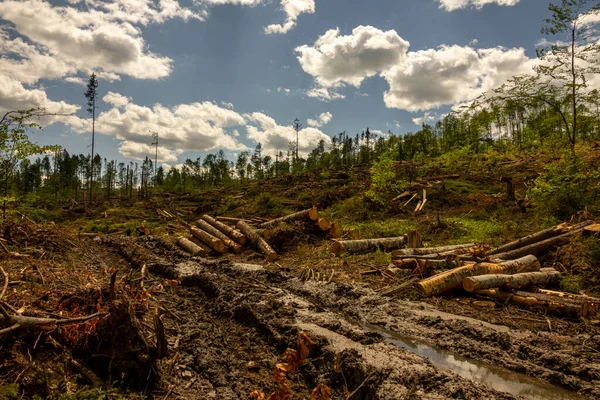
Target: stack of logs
column 217, row 235
column 503, row 273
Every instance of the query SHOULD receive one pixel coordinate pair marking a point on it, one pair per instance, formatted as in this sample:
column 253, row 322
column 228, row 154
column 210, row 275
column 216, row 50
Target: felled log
column 516, row 281
column 439, row 178
column 405, row 263
column 554, row 305
column 593, row 229
column 453, row 279
column 432, row 250
column 226, row 229
column 231, row 245
column 311, row 214
column 368, row 245
column 258, row 241
column 533, row 238
column 536, row 248
column 336, row 231
column 208, row 239
column 231, row 220
column 191, row 247
column 265, row 233
column 323, row 224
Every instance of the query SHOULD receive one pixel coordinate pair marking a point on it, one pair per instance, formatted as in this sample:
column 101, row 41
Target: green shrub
column 567, row 187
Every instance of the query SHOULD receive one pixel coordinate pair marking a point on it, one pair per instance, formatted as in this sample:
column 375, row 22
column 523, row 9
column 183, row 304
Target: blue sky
column 210, row 75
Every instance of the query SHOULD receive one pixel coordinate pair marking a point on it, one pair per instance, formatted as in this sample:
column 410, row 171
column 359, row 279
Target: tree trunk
column 510, row 189
column 530, row 239
column 562, row 307
column 311, row 214
column 368, row 245
column 516, row 281
column 439, row 178
column 191, row 247
column 231, row 245
column 208, row 239
column 453, row 279
column 259, row 242
column 226, row 229
column 433, row 250
column 413, row 239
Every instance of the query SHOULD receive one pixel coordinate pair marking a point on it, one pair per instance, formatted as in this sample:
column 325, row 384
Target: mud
column 228, row 325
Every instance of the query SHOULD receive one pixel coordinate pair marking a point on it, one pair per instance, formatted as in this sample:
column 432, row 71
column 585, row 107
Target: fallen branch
column 5, row 283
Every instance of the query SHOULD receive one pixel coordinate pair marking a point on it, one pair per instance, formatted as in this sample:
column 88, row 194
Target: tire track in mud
column 235, row 321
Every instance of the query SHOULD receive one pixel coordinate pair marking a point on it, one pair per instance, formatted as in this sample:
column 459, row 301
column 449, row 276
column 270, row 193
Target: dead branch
column 86, row 372
column 5, row 282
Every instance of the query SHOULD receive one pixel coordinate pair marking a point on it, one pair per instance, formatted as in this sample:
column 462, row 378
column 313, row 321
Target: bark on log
column 536, row 248
column 191, row 247
column 368, row 245
column 548, row 304
column 413, row 239
column 453, row 279
column 226, row 229
column 323, row 224
column 265, row 233
column 231, row 220
column 516, row 281
column 231, row 245
column 336, row 230
column 258, row 241
column 208, row 239
column 311, row 214
column 439, row 178
column 204, row 247
column 530, row 239
column 432, row 250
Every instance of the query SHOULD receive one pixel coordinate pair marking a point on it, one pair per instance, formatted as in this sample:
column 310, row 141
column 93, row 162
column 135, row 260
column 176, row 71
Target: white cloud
column 324, row 94
column 336, row 60
column 116, row 99
column 142, row 150
column 195, row 126
column 227, row 104
column 274, row 137
column 76, row 80
column 451, row 5
column 421, row 80
column 426, row 118
column 14, row 96
column 323, row 119
column 292, row 9
column 284, row 90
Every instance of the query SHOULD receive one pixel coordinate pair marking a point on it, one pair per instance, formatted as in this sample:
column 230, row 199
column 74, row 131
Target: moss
column 571, row 283
column 465, row 229
column 9, row 391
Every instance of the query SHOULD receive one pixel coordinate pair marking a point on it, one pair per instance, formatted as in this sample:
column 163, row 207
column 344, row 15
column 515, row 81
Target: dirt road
column 228, row 325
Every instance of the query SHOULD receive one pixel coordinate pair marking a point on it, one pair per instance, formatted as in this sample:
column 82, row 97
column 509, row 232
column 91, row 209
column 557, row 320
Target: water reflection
column 494, row 377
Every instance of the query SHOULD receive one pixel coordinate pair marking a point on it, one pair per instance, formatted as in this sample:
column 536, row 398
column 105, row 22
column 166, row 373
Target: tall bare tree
column 91, row 94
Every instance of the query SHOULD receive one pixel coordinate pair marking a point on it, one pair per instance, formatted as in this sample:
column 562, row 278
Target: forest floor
column 176, row 326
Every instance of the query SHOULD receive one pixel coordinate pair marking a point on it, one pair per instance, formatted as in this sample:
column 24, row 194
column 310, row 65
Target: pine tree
column 91, row 94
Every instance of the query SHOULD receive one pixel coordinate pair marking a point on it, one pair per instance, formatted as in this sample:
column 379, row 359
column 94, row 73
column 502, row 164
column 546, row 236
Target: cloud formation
column 323, row 119
column 451, row 5
column 420, row 80
column 292, row 9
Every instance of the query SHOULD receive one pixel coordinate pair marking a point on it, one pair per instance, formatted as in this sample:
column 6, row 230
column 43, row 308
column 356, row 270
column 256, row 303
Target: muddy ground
column 227, row 324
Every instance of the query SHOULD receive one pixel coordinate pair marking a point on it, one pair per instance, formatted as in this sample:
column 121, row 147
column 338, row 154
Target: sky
column 208, row 75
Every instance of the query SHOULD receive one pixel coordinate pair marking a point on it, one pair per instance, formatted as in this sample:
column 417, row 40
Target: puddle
column 496, row 378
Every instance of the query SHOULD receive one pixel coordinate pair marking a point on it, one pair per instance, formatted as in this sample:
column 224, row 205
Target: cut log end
column 338, row 247
column 313, row 214
column 323, row 224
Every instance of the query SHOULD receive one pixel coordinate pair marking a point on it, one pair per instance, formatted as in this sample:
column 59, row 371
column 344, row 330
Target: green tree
column 15, row 145
column 91, row 94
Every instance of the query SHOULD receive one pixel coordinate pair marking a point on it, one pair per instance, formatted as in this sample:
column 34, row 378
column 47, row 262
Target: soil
column 227, row 324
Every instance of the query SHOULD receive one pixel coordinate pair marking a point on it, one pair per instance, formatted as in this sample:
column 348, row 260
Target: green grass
column 466, row 229
column 380, row 229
